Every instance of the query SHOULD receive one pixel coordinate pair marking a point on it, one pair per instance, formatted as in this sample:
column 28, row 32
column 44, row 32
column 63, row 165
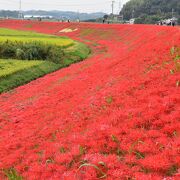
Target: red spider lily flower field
column 115, row 115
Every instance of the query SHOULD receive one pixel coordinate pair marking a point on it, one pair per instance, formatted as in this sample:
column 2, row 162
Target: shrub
column 20, row 54
column 7, row 49
column 55, row 55
column 31, row 51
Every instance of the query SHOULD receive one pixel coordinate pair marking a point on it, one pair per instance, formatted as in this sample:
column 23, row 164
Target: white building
column 37, row 17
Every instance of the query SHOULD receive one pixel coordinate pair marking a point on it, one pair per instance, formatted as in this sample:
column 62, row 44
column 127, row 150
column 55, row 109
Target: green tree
column 150, row 11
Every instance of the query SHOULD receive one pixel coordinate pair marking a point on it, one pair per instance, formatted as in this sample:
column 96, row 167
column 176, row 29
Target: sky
column 63, row 5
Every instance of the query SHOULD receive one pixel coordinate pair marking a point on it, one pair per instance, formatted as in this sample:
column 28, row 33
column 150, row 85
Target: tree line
column 151, row 11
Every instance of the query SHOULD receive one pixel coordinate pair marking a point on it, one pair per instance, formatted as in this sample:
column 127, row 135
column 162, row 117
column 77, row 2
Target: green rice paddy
column 23, row 36
column 14, row 72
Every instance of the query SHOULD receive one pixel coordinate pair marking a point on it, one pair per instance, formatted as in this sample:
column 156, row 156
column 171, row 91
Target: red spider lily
column 115, row 115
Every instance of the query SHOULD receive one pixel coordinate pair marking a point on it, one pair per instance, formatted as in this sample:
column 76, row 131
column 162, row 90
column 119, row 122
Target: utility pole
column 20, row 10
column 112, row 5
column 120, row 6
column 78, row 18
column 172, row 12
column 133, row 14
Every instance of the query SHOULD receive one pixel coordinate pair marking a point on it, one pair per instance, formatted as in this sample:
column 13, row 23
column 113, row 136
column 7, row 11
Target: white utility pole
column 112, row 5
column 120, row 5
column 120, row 8
column 20, row 9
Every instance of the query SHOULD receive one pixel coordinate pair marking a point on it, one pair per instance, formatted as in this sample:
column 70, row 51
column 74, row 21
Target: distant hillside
column 67, row 14
column 6, row 13
column 55, row 14
column 150, row 11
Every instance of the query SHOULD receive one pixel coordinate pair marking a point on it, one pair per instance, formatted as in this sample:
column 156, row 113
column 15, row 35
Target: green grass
column 12, row 174
column 175, row 53
column 8, row 67
column 14, row 72
column 21, row 72
column 76, row 53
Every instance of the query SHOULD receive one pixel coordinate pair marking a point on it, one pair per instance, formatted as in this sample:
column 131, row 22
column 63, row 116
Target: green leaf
column 12, row 174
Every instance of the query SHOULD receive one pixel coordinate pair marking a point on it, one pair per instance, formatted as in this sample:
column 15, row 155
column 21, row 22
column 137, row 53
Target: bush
column 145, row 19
column 7, row 49
column 56, row 55
column 31, row 51
column 20, row 54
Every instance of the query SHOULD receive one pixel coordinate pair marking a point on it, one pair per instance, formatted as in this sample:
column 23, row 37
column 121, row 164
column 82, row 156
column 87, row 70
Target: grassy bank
column 15, row 72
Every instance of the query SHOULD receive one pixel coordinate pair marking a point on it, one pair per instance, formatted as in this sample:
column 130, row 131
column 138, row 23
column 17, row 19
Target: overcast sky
column 64, row 5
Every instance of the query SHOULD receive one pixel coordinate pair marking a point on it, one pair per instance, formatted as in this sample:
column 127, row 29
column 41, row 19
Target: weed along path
column 113, row 116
